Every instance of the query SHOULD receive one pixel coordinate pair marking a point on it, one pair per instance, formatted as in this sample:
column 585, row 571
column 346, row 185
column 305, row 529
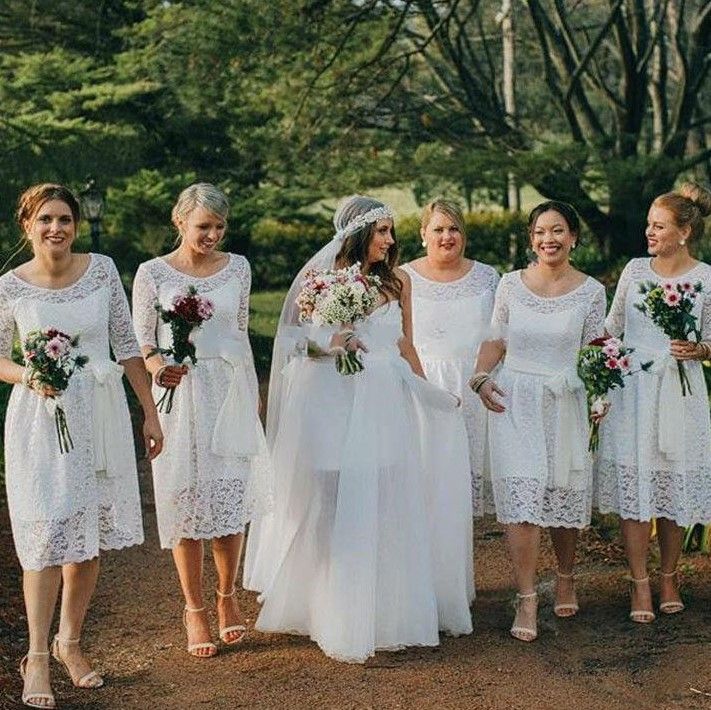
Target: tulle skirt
column 346, row 556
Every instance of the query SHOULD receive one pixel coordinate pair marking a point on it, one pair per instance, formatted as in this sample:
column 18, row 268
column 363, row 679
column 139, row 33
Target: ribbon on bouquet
column 671, row 433
column 109, row 448
column 570, row 456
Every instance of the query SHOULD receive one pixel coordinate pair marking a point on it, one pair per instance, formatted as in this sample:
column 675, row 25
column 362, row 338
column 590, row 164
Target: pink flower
column 611, row 363
column 55, row 348
column 686, row 286
column 671, row 298
column 611, row 349
column 205, row 309
column 668, row 286
column 624, row 363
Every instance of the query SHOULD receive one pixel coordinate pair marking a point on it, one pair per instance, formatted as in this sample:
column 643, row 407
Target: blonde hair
column 200, row 194
column 690, row 205
column 448, row 208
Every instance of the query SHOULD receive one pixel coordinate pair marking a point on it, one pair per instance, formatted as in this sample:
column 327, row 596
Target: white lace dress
column 346, row 559
column 207, row 479
column 449, row 322
column 540, row 467
column 654, row 459
column 67, row 507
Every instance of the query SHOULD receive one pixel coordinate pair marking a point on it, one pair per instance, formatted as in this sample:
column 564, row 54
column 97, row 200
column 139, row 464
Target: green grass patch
column 264, row 310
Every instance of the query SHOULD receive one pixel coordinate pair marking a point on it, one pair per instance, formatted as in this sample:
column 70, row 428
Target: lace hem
column 684, row 497
column 526, row 500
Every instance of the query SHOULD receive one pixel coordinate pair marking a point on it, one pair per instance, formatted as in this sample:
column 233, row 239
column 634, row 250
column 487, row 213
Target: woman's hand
column 599, row 411
column 686, row 350
column 348, row 341
column 43, row 390
column 486, row 393
column 169, row 376
column 152, row 436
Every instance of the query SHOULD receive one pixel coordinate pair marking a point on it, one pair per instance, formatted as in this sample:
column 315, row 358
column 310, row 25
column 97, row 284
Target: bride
column 344, row 557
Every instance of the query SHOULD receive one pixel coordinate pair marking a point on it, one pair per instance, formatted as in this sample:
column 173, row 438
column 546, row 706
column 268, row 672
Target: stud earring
column 682, row 242
column 424, row 243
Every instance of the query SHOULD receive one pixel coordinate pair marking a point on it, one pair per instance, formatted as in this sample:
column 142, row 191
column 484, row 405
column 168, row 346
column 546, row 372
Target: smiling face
column 202, row 230
column 551, row 238
column 52, row 229
column 381, row 240
column 444, row 238
column 663, row 234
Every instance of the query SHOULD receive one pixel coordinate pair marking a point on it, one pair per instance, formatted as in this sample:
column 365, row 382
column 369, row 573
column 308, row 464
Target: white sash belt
column 109, row 448
column 237, row 429
column 670, row 406
column 571, row 435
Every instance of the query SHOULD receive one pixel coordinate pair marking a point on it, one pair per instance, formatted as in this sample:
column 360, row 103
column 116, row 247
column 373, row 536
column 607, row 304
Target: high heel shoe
column 640, row 616
column 672, row 607
column 193, row 647
column 230, row 629
column 524, row 633
column 571, row 607
column 89, row 680
column 35, row 700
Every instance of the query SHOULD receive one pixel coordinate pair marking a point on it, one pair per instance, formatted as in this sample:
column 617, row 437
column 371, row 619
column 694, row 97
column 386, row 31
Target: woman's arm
column 152, row 433
column 407, row 348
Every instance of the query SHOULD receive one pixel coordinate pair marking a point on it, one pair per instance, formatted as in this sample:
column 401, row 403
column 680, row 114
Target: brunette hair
column 690, row 205
column 34, row 197
column 355, row 245
column 564, row 209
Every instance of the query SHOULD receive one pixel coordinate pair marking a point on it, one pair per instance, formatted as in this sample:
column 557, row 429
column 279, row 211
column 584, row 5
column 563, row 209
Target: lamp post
column 92, row 202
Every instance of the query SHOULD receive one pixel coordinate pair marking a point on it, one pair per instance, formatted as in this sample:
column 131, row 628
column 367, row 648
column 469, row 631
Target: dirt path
column 599, row 660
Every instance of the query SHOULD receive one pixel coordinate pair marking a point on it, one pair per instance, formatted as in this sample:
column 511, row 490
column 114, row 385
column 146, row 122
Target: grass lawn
column 264, row 311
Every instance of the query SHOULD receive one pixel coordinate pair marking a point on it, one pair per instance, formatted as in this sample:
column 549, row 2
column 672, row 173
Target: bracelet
column 477, row 380
column 27, row 378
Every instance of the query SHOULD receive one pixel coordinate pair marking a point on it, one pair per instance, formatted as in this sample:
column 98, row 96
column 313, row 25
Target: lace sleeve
column 145, row 316
column 243, row 323
column 245, row 278
column 706, row 311
column 594, row 325
column 121, row 335
column 7, row 326
column 615, row 321
column 500, row 315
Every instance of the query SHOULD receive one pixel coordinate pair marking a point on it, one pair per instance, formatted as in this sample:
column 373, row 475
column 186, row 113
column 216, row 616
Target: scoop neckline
column 190, row 276
column 552, row 298
column 675, row 277
column 62, row 288
column 469, row 273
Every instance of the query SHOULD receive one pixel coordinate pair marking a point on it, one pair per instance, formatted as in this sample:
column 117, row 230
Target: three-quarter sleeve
column 706, row 312
column 500, row 313
column 7, row 325
column 121, row 335
column 145, row 316
column 594, row 324
column 615, row 321
column 245, row 279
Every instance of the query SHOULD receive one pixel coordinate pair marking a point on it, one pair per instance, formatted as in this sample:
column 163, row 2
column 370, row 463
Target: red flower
column 598, row 341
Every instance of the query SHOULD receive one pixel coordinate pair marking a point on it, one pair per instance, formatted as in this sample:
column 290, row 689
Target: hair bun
column 700, row 196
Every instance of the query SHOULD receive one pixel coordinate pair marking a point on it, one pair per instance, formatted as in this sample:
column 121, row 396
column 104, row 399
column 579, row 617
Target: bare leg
column 564, row 543
column 635, row 534
column 523, row 541
column 40, row 589
column 670, row 541
column 188, row 556
column 226, row 552
column 79, row 583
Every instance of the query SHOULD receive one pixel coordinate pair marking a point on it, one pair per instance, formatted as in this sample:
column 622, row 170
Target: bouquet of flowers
column 51, row 359
column 338, row 297
column 602, row 366
column 669, row 306
column 189, row 311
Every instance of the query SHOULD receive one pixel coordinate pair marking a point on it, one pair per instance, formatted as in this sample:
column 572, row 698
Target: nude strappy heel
column 90, row 680
column 571, row 607
column 230, row 629
column 35, row 700
column 524, row 633
column 640, row 616
column 673, row 607
column 193, row 647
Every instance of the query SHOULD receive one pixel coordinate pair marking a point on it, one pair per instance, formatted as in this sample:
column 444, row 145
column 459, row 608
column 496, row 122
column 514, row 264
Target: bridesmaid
column 452, row 302
column 541, row 471
column 65, row 508
column 213, row 470
column 655, row 449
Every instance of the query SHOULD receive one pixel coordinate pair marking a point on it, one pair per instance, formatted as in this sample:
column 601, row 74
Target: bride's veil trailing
column 352, row 214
